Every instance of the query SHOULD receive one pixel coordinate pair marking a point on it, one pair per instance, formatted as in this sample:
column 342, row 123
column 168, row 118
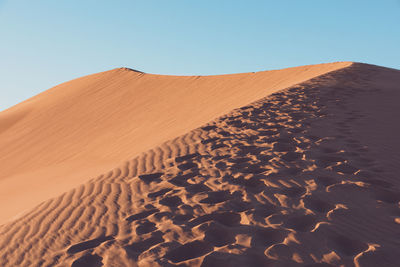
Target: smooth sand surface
column 220, row 170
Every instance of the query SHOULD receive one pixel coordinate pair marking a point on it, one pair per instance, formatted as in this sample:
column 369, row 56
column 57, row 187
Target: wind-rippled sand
column 304, row 176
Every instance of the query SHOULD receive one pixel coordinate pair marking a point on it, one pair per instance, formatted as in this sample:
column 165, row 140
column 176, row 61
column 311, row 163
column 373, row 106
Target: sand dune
column 305, row 176
column 82, row 128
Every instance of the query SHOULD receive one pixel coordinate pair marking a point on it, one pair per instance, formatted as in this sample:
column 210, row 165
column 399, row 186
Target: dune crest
column 82, row 128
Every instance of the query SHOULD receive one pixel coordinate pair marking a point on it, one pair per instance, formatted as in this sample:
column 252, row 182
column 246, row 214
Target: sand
column 80, row 129
column 280, row 168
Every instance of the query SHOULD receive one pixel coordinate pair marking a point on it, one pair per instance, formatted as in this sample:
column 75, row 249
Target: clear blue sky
column 44, row 43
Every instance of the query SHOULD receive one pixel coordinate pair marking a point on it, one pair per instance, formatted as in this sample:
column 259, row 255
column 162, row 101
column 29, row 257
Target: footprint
column 296, row 130
column 317, row 205
column 236, row 123
column 313, row 137
column 226, row 218
column 261, row 213
column 148, row 178
column 189, row 251
column 283, row 147
column 92, row 260
column 135, row 249
column 210, row 140
column 345, row 168
column 347, row 246
column 217, row 234
column 159, row 193
column 209, row 127
column 254, row 168
column 161, row 215
column 180, row 180
column 239, row 160
column 291, row 156
column 253, row 184
column 215, row 197
column 145, row 227
column 187, row 166
column 182, row 218
column 378, row 257
column 267, row 132
column 249, row 149
column 186, row 157
column 224, row 133
column 302, row 223
column 141, row 215
column 197, row 188
column 172, row 201
column 265, row 237
column 264, row 158
column 218, row 145
column 88, row 244
column 238, row 205
column 220, row 157
column 291, row 170
column 293, row 192
column 328, row 160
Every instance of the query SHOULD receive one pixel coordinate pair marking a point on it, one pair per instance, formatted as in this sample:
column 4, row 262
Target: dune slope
column 82, row 128
column 305, row 176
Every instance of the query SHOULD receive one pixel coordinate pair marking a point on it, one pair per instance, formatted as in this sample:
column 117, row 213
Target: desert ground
column 293, row 167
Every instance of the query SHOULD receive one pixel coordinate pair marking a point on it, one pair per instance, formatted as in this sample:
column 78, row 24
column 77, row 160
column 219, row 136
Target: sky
column 44, row 43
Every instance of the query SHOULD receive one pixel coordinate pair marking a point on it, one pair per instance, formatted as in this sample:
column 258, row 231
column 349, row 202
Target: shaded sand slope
column 79, row 129
column 307, row 176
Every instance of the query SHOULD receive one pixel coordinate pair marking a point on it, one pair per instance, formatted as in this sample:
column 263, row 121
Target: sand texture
column 80, row 129
column 298, row 167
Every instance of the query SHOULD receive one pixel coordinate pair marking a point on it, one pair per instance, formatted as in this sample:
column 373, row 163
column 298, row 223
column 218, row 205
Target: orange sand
column 82, row 128
column 289, row 177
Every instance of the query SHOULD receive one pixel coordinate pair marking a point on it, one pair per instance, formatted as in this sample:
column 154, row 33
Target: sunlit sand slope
column 79, row 129
column 305, row 176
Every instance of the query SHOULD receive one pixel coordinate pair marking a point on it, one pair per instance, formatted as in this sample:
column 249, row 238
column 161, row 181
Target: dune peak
column 129, row 69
